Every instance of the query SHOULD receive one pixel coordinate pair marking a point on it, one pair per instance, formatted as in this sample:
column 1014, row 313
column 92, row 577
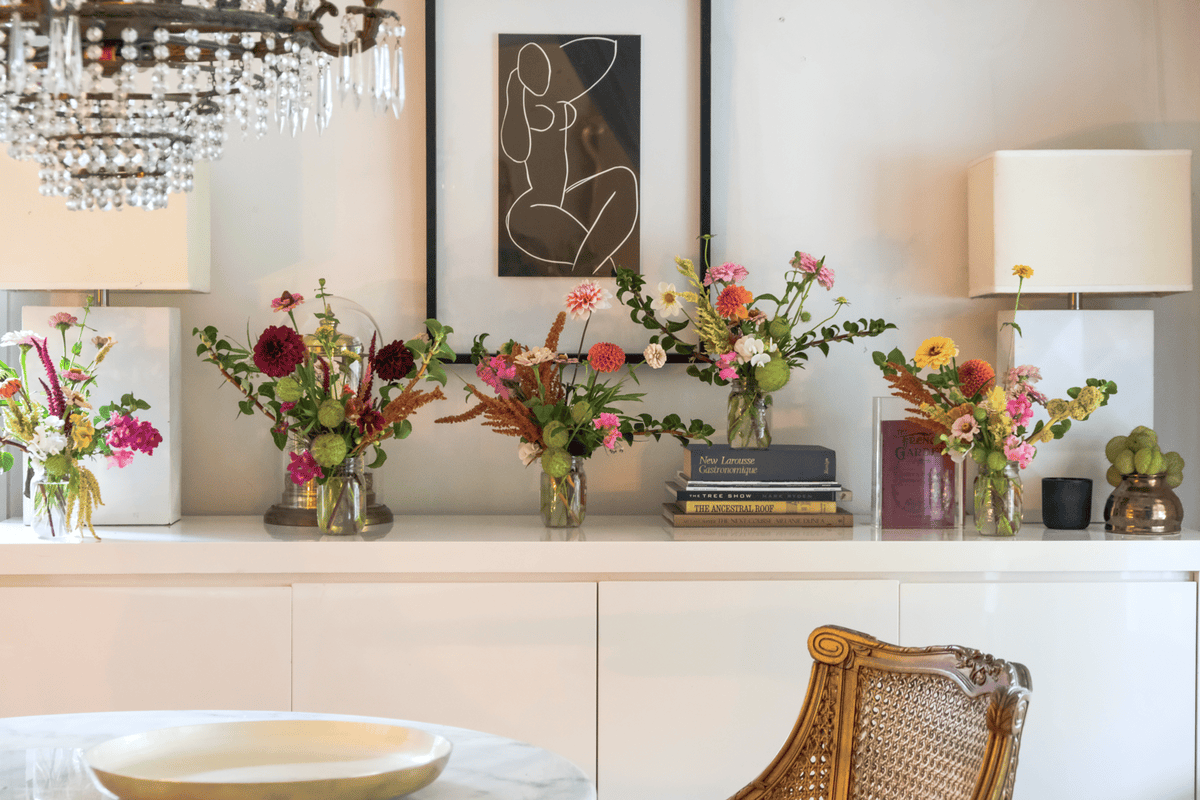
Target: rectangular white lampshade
column 1086, row 221
column 145, row 361
column 48, row 248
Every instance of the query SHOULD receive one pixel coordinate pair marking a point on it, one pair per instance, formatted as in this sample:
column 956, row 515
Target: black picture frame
column 506, row 314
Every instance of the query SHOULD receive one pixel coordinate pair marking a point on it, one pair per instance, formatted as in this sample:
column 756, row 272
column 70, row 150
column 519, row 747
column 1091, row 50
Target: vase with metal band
column 749, row 424
column 50, row 512
column 998, row 500
column 564, row 500
column 1143, row 504
column 342, row 499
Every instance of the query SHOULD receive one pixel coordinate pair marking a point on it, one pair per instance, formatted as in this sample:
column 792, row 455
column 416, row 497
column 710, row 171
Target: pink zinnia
column 965, row 428
column 63, row 320
column 585, row 298
column 286, row 301
column 75, row 375
column 825, row 277
column 726, row 273
column 805, row 262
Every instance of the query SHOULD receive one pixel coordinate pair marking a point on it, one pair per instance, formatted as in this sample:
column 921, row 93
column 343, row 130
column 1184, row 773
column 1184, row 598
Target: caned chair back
column 882, row 722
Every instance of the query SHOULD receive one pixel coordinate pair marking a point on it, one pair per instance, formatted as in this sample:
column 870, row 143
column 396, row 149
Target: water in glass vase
column 748, row 419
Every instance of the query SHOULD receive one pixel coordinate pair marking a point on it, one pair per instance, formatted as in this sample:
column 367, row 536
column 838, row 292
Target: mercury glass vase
column 748, row 419
column 564, row 500
column 50, row 512
column 342, row 500
column 998, row 500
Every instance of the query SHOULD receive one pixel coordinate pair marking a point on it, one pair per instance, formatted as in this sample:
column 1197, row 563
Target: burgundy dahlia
column 279, row 351
column 393, row 362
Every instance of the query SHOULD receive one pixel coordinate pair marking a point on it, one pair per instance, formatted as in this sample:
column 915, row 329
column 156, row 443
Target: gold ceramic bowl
column 277, row 759
column 1144, row 504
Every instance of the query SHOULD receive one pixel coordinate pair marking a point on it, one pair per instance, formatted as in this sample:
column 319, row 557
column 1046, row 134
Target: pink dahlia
column 279, row 351
column 606, row 357
column 585, row 298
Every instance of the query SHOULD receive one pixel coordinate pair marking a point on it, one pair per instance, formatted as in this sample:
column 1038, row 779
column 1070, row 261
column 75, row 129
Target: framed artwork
column 563, row 140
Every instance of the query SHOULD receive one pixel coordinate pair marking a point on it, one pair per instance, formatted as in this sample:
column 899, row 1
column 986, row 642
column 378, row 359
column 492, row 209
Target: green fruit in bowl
column 1114, row 476
column 1115, row 447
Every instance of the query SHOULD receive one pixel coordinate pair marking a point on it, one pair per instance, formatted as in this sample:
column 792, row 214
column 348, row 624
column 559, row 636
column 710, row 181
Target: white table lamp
column 1115, row 222
column 48, row 248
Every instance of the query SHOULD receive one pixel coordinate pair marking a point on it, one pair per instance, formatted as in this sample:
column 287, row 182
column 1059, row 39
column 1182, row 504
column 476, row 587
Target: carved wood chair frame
column 831, row 714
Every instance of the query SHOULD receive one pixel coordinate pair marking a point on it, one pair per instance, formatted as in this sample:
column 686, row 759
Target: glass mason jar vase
column 748, row 420
column 50, row 512
column 342, row 499
column 564, row 500
column 998, row 500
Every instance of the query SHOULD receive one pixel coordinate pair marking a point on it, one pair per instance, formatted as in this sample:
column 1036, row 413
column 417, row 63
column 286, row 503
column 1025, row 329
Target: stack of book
column 784, row 486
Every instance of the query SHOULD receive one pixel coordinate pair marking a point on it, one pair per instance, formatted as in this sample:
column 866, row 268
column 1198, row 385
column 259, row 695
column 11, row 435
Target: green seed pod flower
column 331, row 413
column 328, row 449
column 287, row 390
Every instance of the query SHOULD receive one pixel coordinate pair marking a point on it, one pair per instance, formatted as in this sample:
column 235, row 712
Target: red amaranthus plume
column 54, row 395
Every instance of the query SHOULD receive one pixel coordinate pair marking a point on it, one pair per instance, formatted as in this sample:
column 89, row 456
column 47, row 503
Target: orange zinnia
column 10, row 388
column 731, row 303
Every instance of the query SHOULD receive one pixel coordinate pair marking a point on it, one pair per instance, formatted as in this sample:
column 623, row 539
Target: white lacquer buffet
column 664, row 669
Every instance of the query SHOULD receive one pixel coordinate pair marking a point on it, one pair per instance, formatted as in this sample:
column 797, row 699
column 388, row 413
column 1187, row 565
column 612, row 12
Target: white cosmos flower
column 667, row 302
column 18, row 337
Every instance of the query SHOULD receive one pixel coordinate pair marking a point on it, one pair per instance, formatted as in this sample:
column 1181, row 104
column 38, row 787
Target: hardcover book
column 765, row 534
column 758, row 492
column 917, row 481
column 680, row 519
column 782, row 462
column 758, row 507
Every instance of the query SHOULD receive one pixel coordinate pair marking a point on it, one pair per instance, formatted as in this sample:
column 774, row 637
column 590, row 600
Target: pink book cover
column 917, row 480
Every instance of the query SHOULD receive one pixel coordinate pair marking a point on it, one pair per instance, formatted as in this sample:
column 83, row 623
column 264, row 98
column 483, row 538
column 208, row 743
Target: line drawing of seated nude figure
column 570, row 216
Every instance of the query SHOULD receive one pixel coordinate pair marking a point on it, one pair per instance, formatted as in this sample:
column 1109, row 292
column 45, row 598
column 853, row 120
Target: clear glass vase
column 564, row 500
column 50, row 512
column 342, row 500
column 748, row 419
column 998, row 500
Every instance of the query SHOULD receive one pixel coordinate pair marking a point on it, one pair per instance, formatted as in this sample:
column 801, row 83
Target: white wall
column 841, row 127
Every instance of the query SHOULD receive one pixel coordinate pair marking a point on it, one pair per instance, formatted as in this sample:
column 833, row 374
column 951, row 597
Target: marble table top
column 481, row 767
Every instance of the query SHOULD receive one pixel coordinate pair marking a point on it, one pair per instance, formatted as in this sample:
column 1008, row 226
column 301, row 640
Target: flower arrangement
column 319, row 390
column 556, row 416
column 56, row 429
column 756, row 340
column 970, row 412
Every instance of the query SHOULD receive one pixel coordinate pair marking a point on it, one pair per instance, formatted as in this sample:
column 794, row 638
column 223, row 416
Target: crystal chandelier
column 116, row 101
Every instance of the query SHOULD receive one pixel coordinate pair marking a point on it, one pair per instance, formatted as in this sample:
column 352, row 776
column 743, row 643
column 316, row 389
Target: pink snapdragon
column 303, row 468
column 127, row 432
column 1020, row 408
column 1020, row 451
column 119, row 459
column 1026, row 373
column 495, row 372
column 725, row 366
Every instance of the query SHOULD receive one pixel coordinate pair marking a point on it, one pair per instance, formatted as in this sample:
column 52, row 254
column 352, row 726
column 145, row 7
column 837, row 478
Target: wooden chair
column 882, row 722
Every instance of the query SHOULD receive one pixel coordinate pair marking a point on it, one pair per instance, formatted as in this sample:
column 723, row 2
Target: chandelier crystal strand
column 398, row 91
column 119, row 116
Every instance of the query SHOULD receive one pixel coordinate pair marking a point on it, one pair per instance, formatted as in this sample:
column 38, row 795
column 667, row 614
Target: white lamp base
column 145, row 361
column 1069, row 347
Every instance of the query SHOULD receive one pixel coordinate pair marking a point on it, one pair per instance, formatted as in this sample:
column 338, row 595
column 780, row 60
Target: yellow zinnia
column 935, row 352
column 1022, row 271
